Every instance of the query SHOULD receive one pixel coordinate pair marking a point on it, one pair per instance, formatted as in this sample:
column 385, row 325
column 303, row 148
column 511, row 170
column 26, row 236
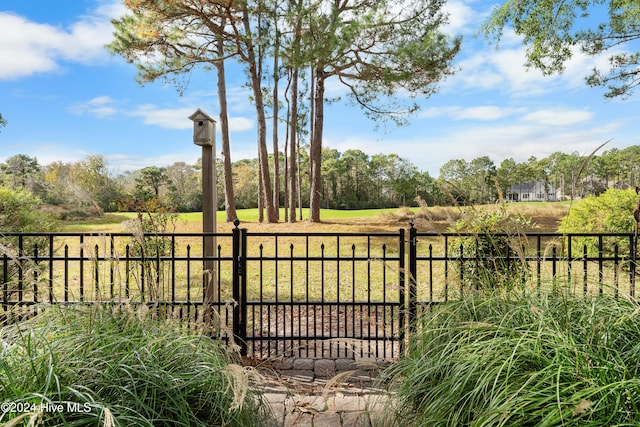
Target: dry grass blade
column 19, row 419
column 240, row 380
column 335, row 381
column 590, row 157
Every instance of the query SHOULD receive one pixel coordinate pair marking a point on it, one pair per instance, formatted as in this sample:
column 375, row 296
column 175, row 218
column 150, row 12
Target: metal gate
column 320, row 294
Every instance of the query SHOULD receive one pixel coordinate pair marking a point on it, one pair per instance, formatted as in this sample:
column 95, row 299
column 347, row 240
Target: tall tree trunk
column 229, row 197
column 287, row 141
column 286, row 169
column 260, row 192
column 276, row 110
column 299, row 181
column 276, row 149
column 293, row 132
column 312, row 119
column 263, row 155
column 293, row 118
column 315, row 151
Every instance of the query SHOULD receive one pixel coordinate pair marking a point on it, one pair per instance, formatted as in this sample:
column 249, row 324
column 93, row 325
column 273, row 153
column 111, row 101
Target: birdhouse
column 204, row 128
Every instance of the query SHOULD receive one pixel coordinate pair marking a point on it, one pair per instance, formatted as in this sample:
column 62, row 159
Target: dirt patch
column 546, row 223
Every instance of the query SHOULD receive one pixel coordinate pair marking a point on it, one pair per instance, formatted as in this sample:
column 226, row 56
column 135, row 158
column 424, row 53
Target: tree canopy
column 554, row 30
column 385, row 52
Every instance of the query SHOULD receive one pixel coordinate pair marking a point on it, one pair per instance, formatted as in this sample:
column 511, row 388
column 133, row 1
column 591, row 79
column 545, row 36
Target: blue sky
column 65, row 98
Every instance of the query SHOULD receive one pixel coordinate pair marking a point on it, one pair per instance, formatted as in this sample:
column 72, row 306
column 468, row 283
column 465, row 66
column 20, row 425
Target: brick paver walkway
column 324, row 392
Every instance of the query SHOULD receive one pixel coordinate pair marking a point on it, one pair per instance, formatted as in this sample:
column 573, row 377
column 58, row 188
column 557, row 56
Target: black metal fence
column 304, row 294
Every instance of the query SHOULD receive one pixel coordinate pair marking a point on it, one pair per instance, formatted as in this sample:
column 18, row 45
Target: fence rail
column 309, row 294
column 449, row 264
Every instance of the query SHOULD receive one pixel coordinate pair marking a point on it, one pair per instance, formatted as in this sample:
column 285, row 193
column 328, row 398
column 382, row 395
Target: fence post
column 402, row 294
column 633, row 242
column 413, row 277
column 240, row 287
column 21, row 256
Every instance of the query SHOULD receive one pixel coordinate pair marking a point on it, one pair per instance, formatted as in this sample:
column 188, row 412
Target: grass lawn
column 113, row 221
column 545, row 214
column 352, row 280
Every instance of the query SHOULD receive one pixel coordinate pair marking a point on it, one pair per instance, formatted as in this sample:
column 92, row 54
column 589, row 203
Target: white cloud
column 28, row 47
column 115, row 9
column 462, row 18
column 504, row 68
column 484, row 112
column 239, row 124
column 100, row 107
column 167, row 118
column 558, row 117
column 176, row 118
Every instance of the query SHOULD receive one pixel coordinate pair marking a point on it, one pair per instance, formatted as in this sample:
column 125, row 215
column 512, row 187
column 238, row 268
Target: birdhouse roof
column 200, row 115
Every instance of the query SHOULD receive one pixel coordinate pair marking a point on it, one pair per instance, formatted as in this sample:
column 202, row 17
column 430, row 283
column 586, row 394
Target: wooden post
column 204, row 136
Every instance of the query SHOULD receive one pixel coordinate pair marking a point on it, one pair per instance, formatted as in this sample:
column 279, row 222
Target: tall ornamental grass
column 116, row 367
column 514, row 360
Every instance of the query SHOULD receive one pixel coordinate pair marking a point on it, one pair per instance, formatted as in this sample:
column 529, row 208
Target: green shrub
column 20, row 212
column 514, row 360
column 490, row 248
column 610, row 212
column 121, row 368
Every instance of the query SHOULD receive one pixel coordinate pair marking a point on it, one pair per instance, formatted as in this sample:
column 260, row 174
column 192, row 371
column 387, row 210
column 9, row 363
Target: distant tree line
column 575, row 175
column 350, row 180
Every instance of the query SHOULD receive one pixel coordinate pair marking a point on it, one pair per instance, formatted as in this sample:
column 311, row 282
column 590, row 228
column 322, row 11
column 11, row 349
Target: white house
column 533, row 192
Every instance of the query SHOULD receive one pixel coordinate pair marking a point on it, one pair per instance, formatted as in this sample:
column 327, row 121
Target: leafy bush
column 20, row 212
column 490, row 248
column 121, row 369
column 521, row 360
column 610, row 212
